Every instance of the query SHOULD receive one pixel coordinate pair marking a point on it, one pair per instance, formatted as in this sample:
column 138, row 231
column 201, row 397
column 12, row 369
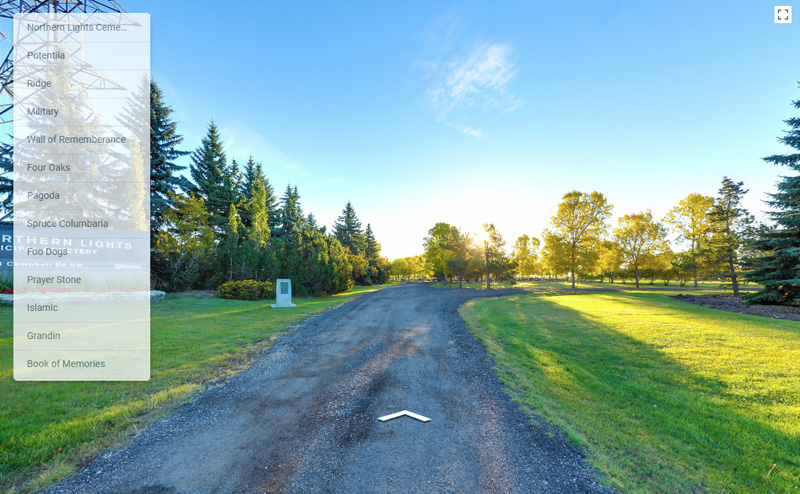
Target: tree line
column 224, row 222
column 218, row 220
column 720, row 237
column 580, row 244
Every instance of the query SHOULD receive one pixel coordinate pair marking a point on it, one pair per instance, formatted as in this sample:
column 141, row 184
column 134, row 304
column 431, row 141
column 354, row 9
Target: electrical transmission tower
column 90, row 78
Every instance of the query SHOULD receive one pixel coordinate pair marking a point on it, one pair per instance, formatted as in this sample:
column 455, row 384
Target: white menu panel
column 81, row 197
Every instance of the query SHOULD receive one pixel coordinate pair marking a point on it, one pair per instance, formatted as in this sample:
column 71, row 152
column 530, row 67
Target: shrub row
column 246, row 290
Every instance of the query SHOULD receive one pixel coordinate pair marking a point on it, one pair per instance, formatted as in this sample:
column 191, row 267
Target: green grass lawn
column 479, row 286
column 662, row 396
column 546, row 285
column 617, row 285
column 46, row 428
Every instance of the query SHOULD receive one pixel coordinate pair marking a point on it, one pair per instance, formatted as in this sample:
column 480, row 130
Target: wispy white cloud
column 471, row 132
column 241, row 140
column 479, row 78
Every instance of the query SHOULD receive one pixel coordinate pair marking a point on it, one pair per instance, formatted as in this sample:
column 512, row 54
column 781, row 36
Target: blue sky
column 474, row 112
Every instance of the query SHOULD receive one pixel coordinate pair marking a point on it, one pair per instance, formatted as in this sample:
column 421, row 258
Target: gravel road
column 304, row 417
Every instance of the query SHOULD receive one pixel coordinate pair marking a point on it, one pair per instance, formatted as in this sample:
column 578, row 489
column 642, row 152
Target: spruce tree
column 372, row 249
column 6, row 180
column 258, row 232
column 257, row 246
column 253, row 172
column 379, row 272
column 730, row 224
column 347, row 230
column 779, row 268
column 341, row 269
column 291, row 215
column 314, row 276
column 215, row 181
column 230, row 258
column 312, row 223
column 164, row 139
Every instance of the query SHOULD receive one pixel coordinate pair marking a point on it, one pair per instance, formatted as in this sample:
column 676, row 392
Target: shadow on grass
column 646, row 420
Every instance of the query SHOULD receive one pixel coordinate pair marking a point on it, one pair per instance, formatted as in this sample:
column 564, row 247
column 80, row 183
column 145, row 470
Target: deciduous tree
column 580, row 223
column 498, row 262
column 183, row 246
column 609, row 263
column 690, row 218
column 640, row 238
column 462, row 250
column 555, row 260
column 526, row 255
column 437, row 247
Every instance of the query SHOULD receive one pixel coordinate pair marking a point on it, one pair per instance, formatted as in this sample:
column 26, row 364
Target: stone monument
column 283, row 294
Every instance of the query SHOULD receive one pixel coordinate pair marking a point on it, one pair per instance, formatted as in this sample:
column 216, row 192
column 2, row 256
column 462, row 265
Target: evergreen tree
column 257, row 245
column 342, row 279
column 231, row 261
column 378, row 267
column 136, row 198
column 372, row 248
column 323, row 268
column 257, row 209
column 291, row 216
column 164, row 139
column 729, row 225
column 6, row 180
column 216, row 182
column 348, row 232
column 252, row 173
column 779, row 268
column 312, row 223
column 313, row 275
column 270, row 261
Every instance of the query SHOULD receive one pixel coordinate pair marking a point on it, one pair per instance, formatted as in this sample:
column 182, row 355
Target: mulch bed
column 731, row 303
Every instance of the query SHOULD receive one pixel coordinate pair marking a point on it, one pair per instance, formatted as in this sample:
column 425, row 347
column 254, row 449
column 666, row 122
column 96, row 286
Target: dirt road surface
column 304, row 417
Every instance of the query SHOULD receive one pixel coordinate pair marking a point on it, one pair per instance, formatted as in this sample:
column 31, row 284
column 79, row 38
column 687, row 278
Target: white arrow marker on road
column 413, row 415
